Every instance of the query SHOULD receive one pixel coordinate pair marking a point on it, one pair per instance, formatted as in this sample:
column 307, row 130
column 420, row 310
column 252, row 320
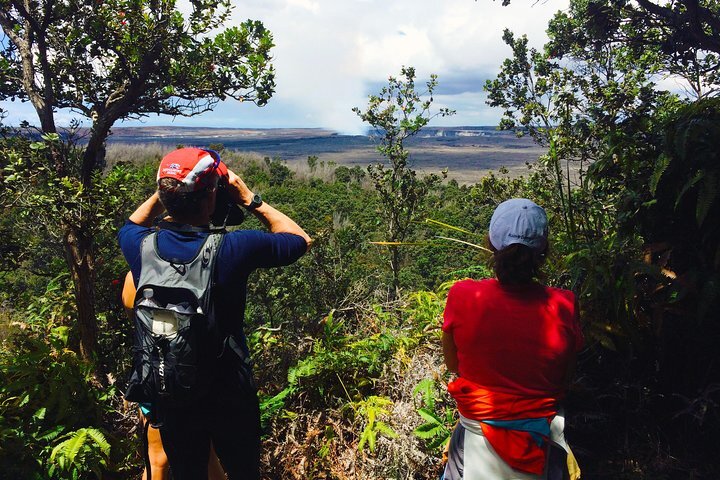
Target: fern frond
column 427, row 431
column 100, row 440
column 429, row 416
column 660, row 167
column 426, row 388
column 52, row 434
column 706, row 196
column 386, row 430
column 688, row 186
column 73, row 445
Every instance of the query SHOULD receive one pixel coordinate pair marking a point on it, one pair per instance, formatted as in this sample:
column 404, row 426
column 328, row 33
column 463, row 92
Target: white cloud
column 327, row 59
column 305, row 4
column 329, row 54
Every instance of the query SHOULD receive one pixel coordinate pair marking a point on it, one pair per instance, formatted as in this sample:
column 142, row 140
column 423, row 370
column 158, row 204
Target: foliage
column 685, row 34
column 324, row 340
column 46, row 392
column 571, row 97
column 686, row 178
column 344, row 390
column 42, row 203
column 397, row 113
column 154, row 59
column 81, row 451
column 371, row 410
column 438, row 426
column 630, row 185
column 112, row 61
column 347, row 367
column 684, row 244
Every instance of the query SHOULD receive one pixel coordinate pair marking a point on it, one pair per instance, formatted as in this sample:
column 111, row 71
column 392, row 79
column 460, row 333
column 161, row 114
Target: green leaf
column 100, row 440
column 427, row 431
column 660, row 167
column 50, row 137
column 386, row 430
column 688, row 186
column 428, row 416
column 706, row 196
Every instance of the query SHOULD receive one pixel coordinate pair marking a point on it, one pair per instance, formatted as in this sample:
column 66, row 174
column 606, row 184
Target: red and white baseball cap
column 195, row 168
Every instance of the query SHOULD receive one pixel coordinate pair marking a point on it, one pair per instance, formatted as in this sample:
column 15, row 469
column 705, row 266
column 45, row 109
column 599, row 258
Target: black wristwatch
column 256, row 202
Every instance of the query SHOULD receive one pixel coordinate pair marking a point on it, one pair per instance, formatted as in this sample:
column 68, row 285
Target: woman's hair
column 517, row 263
column 179, row 203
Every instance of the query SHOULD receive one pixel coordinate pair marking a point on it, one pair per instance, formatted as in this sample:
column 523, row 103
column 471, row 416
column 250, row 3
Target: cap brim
column 222, row 170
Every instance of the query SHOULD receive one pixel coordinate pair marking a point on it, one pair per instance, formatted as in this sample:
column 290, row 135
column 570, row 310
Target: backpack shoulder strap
column 209, row 253
column 197, row 274
column 149, row 260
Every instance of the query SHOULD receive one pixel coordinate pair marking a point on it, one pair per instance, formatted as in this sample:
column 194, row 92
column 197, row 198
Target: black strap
column 182, row 227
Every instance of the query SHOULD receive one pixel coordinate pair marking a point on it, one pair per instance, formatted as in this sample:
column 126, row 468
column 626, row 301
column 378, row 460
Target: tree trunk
column 79, row 257
column 94, row 155
column 395, row 267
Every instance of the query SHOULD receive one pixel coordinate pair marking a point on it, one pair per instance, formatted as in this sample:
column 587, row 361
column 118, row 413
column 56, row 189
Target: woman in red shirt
column 512, row 342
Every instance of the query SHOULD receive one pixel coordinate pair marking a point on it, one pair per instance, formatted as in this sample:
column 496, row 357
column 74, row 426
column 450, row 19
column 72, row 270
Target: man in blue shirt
column 228, row 415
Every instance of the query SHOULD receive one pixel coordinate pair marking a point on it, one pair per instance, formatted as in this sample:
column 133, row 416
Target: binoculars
column 227, row 213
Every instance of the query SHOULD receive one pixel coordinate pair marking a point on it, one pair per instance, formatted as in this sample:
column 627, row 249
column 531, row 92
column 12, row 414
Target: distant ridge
column 149, row 133
column 468, row 152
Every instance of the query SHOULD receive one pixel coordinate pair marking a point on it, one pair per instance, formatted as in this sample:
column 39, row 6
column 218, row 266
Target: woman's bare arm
column 450, row 352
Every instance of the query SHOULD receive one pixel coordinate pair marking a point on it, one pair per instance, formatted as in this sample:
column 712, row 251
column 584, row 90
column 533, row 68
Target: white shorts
column 471, row 457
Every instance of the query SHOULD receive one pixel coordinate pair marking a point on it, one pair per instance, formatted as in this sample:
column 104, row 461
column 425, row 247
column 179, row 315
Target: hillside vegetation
column 345, row 341
column 352, row 383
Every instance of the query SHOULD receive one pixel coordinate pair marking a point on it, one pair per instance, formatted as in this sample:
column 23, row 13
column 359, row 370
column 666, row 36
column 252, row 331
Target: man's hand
column 239, row 192
column 274, row 220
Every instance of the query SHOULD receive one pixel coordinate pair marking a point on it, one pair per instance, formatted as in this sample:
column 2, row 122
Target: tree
column 580, row 90
column 115, row 60
column 678, row 27
column 397, row 113
column 645, row 258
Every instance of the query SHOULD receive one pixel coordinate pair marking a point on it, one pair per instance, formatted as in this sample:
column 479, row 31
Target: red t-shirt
column 516, row 339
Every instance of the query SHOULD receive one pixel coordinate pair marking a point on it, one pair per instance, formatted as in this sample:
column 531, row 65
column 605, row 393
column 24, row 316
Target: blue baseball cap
column 519, row 220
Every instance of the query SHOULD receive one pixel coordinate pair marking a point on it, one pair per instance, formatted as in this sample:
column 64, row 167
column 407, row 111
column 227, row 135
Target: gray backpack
column 177, row 337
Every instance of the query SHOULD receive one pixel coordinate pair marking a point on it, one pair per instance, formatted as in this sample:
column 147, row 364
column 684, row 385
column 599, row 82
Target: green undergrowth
column 352, row 376
column 53, row 412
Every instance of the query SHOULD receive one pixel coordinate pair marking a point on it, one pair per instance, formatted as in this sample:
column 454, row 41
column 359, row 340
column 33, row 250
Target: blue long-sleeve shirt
column 241, row 252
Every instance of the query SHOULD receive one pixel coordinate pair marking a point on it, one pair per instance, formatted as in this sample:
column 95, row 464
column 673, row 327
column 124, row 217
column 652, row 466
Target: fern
column 437, row 429
column 426, row 387
column 660, row 167
column 371, row 409
column 688, row 186
column 83, row 451
column 706, row 196
column 99, row 438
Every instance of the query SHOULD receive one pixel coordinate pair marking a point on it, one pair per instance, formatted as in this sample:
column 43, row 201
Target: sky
column 331, row 54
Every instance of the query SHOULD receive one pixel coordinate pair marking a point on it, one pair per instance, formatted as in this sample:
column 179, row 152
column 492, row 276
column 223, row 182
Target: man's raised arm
column 273, row 219
column 146, row 213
